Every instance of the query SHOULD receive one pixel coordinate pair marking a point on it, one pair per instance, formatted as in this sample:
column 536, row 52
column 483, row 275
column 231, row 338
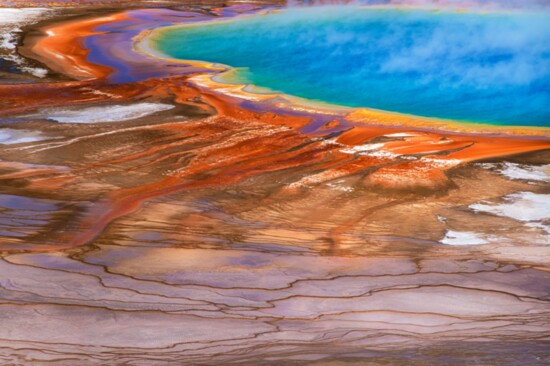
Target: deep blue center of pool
column 480, row 67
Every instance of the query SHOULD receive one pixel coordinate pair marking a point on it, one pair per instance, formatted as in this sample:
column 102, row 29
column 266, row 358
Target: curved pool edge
column 213, row 80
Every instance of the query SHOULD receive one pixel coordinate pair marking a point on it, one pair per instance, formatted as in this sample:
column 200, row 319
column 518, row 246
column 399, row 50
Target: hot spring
column 483, row 67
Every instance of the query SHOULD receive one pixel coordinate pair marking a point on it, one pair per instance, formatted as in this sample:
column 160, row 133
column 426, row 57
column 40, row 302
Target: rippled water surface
column 481, row 67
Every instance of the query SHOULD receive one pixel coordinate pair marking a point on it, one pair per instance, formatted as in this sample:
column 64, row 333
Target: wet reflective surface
column 231, row 231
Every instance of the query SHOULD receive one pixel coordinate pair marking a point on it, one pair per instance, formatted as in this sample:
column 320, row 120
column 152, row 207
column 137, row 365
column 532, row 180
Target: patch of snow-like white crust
column 521, row 206
column 521, row 171
column 373, row 150
column 9, row 16
column 112, row 113
column 531, row 208
column 526, row 172
column 441, row 163
column 338, row 187
column 462, row 238
column 11, row 21
column 362, row 148
column 10, row 136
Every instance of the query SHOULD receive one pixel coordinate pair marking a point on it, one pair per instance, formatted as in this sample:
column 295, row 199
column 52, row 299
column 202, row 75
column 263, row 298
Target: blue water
column 479, row 67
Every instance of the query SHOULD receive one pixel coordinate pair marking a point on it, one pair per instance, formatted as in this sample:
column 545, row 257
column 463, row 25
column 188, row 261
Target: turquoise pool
column 468, row 66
